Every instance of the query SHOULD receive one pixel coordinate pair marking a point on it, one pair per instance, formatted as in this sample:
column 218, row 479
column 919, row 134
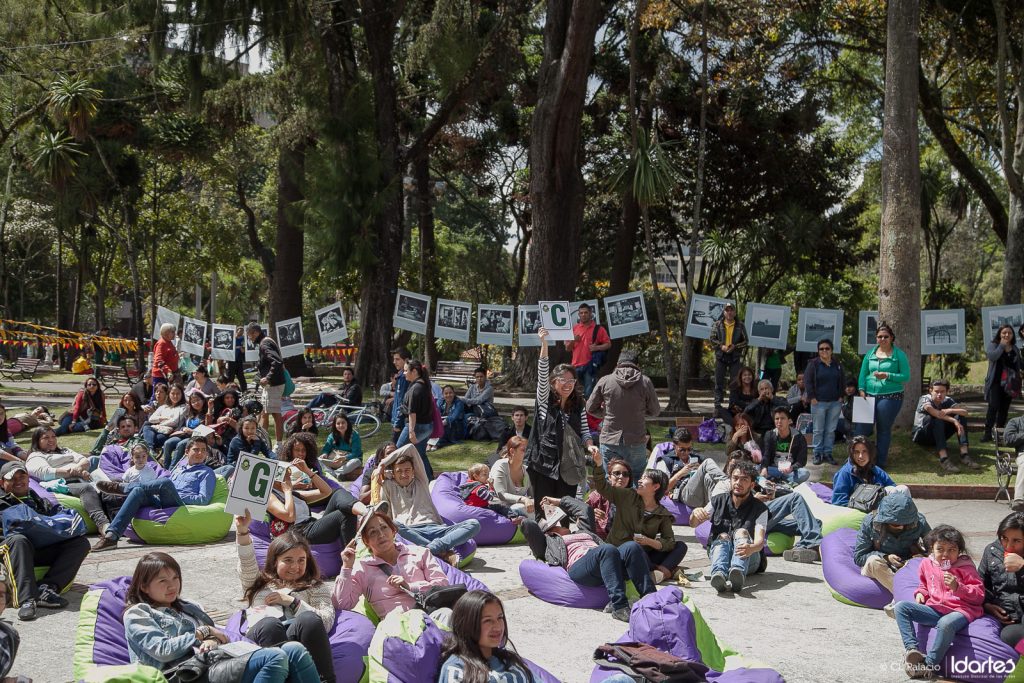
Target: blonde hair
column 477, row 469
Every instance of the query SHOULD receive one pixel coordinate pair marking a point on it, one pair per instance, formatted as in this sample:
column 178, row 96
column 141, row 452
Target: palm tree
column 55, row 158
column 73, row 103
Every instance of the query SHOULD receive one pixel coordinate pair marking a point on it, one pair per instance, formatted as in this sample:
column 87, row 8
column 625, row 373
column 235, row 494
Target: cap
column 8, row 470
column 381, row 508
column 730, row 305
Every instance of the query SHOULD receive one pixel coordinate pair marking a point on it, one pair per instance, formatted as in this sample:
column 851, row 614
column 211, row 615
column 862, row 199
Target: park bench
column 454, row 371
column 1006, row 465
column 110, row 375
column 23, row 368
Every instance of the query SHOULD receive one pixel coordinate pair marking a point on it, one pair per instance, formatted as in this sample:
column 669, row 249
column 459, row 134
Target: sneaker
column 947, row 466
column 817, row 459
column 802, row 555
column 621, row 614
column 890, row 609
column 969, row 462
column 763, row 567
column 608, row 609
column 114, row 488
column 1017, row 505
column 105, row 543
column 736, row 579
column 657, row 577
column 913, row 663
column 50, row 598
column 718, row 582
column 452, row 558
column 27, row 612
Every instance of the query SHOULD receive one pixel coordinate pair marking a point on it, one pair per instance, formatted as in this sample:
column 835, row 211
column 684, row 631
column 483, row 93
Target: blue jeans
column 174, row 450
column 886, row 410
column 635, row 455
column 802, row 524
column 289, row 662
column 723, row 558
column 422, row 434
column 587, row 376
column 438, row 538
column 157, row 493
column 946, row 627
column 795, row 476
column 154, row 439
column 67, row 425
column 936, row 432
column 826, row 417
column 609, row 566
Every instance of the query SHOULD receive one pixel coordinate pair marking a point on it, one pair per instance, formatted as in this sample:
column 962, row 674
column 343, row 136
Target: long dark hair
column 180, row 389
column 737, row 383
column 297, row 423
column 463, row 641
column 279, row 546
column 1013, row 334
column 338, row 436
column 573, row 401
column 867, row 473
column 146, row 570
column 218, row 401
column 312, row 456
column 419, row 367
column 37, row 435
column 135, row 402
column 97, row 400
column 1014, row 520
column 197, row 413
column 4, row 435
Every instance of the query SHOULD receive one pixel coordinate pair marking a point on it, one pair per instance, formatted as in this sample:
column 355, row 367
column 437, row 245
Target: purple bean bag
column 354, row 487
column 114, row 460
column 43, row 493
column 843, row 575
column 327, row 555
column 821, row 491
column 349, row 637
column 680, row 511
column 495, row 529
column 979, row 642
column 456, row 576
column 466, row 551
column 552, row 584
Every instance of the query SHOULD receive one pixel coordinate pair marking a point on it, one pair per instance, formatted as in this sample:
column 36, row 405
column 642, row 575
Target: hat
column 381, row 508
column 8, row 470
column 729, row 305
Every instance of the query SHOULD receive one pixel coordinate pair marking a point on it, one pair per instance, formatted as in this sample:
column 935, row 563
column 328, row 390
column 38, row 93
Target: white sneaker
column 657, row 577
column 890, row 610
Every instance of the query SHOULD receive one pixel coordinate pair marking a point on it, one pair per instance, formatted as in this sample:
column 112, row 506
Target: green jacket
column 629, row 515
column 898, row 368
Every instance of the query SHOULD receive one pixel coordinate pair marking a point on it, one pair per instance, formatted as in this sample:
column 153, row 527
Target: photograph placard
column 411, row 311
column 193, row 336
column 704, row 312
column 164, row 316
column 574, row 310
column 943, row 331
column 494, row 324
column 815, row 324
column 252, row 352
column 453, row 319
column 222, row 344
column 289, row 337
column 554, row 315
column 768, row 325
column 529, row 323
column 994, row 317
column 627, row 315
column 867, row 326
column 330, row 323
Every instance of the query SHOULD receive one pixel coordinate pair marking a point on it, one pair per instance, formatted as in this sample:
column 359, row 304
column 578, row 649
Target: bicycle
column 363, row 418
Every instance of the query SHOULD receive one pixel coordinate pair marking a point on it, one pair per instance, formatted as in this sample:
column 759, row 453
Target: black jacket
column 507, row 433
column 1001, row 587
column 797, row 448
column 270, row 364
column 739, row 340
column 544, row 450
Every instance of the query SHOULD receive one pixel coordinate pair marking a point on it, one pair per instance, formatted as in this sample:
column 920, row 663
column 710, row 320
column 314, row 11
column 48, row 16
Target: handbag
column 645, row 662
column 289, row 384
column 213, row 666
column 572, row 466
column 435, row 597
column 1009, row 380
column 866, row 497
column 597, row 357
column 42, row 530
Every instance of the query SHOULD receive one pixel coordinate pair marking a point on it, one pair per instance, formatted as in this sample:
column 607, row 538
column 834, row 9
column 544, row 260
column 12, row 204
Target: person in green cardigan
column 883, row 374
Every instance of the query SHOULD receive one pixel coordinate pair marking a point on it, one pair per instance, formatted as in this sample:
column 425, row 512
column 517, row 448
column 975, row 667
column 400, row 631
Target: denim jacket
column 162, row 636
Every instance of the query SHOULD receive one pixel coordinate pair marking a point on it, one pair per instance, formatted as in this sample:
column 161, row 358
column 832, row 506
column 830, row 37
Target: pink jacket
column 968, row 597
column 416, row 564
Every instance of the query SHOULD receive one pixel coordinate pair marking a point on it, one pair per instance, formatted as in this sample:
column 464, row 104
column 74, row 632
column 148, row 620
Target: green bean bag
column 185, row 525
column 72, row 503
column 832, row 517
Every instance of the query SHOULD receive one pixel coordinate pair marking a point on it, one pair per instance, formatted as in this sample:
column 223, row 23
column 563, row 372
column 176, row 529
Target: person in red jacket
column 165, row 356
column 89, row 410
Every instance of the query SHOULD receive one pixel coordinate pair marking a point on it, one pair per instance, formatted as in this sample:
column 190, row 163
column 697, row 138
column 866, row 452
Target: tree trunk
column 666, row 348
column 1013, row 262
column 286, row 291
column 428, row 250
column 899, row 296
column 3, row 235
column 1011, row 130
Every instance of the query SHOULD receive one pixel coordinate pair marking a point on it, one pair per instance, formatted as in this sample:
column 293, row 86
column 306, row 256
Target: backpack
column 597, row 357
column 707, row 432
column 1010, row 382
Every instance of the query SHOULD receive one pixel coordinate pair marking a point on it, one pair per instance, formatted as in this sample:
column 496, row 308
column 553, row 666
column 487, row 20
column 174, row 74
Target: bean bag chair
column 327, row 555
column 495, row 529
column 407, row 649
column 349, row 637
column 680, row 511
column 185, row 525
column 842, row 575
column 823, row 492
column 776, row 543
column 114, row 461
column 832, row 517
column 979, row 642
column 552, row 584
column 673, row 624
column 466, row 551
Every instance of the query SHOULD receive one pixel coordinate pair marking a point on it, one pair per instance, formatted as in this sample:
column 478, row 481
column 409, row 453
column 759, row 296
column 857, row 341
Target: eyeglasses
column 563, row 380
column 618, row 474
column 684, row 450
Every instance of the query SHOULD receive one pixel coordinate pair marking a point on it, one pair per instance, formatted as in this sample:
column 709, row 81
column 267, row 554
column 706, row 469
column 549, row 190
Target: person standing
column 417, row 412
column 236, row 368
column 728, row 339
column 398, row 357
column 624, row 399
column 825, row 384
column 270, row 370
column 589, row 345
column 165, row 357
column 883, row 373
column 1003, row 357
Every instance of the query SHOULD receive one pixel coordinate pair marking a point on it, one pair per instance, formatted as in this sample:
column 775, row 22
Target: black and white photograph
column 252, row 352
column 995, row 317
column 411, row 311
column 627, row 315
column 289, row 337
column 452, row 320
column 815, row 324
column 943, row 331
column 529, row 324
column 193, row 337
column 867, row 326
column 163, row 316
column 494, row 324
column 330, row 322
column 574, row 310
column 704, row 312
column 767, row 325
column 223, row 345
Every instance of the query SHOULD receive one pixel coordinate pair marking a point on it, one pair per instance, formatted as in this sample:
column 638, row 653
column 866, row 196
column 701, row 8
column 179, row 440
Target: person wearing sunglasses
column 620, row 475
column 883, row 373
column 677, row 459
column 825, row 383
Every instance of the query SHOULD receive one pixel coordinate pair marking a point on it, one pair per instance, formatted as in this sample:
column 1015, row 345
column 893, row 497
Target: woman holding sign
column 883, row 373
column 289, row 512
column 556, row 453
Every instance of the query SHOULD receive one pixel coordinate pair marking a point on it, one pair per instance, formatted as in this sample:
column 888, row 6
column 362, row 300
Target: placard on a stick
column 251, row 486
column 554, row 315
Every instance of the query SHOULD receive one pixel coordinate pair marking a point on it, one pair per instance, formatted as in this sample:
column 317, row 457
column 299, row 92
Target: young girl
column 247, row 441
column 305, row 421
column 343, row 449
column 290, row 582
column 163, row 630
column 1002, row 571
column 140, row 469
column 475, row 649
column 949, row 597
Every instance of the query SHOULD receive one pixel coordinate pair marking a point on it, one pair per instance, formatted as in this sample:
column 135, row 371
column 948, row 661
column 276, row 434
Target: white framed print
column 867, row 327
column 330, row 323
column 163, row 317
column 529, row 323
column 767, row 325
column 411, row 311
column 574, row 310
column 252, row 351
column 627, row 315
column 994, row 317
column 943, row 331
column 452, row 321
column 703, row 313
column 193, row 336
column 815, row 324
column 222, row 342
column 494, row 324
column 289, row 337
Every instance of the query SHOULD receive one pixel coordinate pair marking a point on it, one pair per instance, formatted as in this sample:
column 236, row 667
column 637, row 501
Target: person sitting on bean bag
column 343, row 449
column 1002, row 571
column 477, row 492
column 508, row 475
column 887, row 538
column 407, row 491
column 190, row 484
column 678, row 461
column 289, row 511
column 300, row 607
column 619, row 475
column 476, row 646
column 785, row 451
column 861, row 469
